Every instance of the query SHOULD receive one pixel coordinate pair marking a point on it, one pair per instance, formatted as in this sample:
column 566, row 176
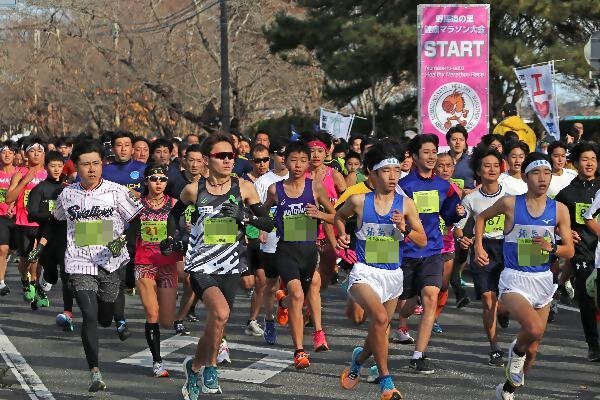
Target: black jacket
column 578, row 196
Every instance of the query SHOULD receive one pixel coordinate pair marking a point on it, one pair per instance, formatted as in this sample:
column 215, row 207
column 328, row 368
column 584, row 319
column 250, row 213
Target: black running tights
column 94, row 311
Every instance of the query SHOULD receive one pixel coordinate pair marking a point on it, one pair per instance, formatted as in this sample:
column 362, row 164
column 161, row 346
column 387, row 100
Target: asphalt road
column 31, row 342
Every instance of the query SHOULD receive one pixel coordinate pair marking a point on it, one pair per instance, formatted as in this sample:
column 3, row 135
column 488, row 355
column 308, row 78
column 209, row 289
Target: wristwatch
column 554, row 248
column 407, row 230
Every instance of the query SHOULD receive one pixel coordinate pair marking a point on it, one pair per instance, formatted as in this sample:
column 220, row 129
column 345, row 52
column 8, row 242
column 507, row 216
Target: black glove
column 236, row 211
column 167, row 246
column 179, row 246
column 116, row 246
column 35, row 254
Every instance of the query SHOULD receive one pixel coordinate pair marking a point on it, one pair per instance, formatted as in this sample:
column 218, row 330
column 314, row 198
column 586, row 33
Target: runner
column 423, row 268
column 486, row 163
column 156, row 274
column 21, row 184
column 526, row 284
column 514, row 154
column 7, row 210
column 96, row 211
column 296, row 199
column 384, row 219
column 213, row 253
column 561, row 176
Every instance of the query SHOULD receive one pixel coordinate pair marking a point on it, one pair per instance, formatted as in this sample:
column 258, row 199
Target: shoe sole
column 124, row 336
column 420, row 372
column 407, row 341
column 164, row 374
column 97, row 386
column 302, row 365
column 496, row 365
column 346, row 382
column 255, row 334
column 393, row 396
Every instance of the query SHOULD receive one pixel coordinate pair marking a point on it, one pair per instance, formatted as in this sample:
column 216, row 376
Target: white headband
column 33, row 146
column 385, row 163
column 538, row 164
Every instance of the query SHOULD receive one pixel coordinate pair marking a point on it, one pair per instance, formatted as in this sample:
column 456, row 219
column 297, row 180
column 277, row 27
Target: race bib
column 458, row 182
column 93, row 233
column 51, row 205
column 220, row 230
column 299, row 228
column 153, row 231
column 580, row 210
column 382, row 250
column 427, row 202
column 187, row 214
column 26, row 197
column 3, row 195
column 495, row 224
column 531, row 254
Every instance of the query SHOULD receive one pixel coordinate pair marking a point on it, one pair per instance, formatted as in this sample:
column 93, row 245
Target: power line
column 162, row 26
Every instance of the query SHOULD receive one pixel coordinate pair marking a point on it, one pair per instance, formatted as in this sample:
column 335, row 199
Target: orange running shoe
column 301, row 360
column 393, row 394
column 282, row 312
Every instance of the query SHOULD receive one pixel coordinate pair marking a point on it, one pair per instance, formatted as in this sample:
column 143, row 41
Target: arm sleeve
column 59, row 210
column 260, row 218
column 37, row 210
column 174, row 216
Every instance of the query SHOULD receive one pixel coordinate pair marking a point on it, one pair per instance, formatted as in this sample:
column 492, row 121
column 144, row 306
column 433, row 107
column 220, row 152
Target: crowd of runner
column 393, row 222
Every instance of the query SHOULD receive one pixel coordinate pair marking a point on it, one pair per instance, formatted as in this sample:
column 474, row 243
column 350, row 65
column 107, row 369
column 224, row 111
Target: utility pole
column 374, row 105
column 225, row 116
column 115, row 33
column 36, row 84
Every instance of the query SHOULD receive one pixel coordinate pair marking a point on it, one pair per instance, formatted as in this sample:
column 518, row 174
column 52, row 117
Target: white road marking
column 258, row 372
column 29, row 380
column 569, row 308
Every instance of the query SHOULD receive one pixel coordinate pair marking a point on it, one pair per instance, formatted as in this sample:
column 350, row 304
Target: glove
column 347, row 255
column 116, row 246
column 167, row 246
column 35, row 254
column 179, row 246
column 236, row 211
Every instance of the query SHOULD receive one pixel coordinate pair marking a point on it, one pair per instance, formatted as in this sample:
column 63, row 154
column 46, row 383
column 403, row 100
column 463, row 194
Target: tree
column 360, row 44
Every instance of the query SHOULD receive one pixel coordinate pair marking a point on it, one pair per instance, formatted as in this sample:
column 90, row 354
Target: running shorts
column 296, row 261
column 164, row 275
column 105, row 284
column 228, row 284
column 421, row 272
column 486, row 278
column 8, row 232
column 536, row 287
column 388, row 284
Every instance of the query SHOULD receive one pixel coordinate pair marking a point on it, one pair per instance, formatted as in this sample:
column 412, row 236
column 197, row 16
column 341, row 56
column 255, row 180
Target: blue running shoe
column 270, row 335
column 210, row 380
column 65, row 322
column 437, row 328
column 190, row 389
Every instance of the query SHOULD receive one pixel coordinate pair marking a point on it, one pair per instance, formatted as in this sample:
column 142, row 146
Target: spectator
column 512, row 122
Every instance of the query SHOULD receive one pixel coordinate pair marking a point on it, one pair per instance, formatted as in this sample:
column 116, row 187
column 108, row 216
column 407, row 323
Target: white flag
column 336, row 124
column 537, row 83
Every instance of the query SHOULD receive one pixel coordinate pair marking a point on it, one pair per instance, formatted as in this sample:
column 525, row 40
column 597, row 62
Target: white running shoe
column 402, row 336
column 514, row 367
column 253, row 329
column 159, row 371
column 223, row 355
column 502, row 395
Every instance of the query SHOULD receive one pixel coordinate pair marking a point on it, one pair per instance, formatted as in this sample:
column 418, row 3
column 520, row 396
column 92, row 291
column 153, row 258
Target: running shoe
column 503, row 321
column 65, row 322
column 4, row 290
column 502, row 395
column 41, row 298
column 223, row 355
column 421, row 366
column 28, row 291
column 496, row 358
column 180, row 329
column 96, row 383
column 282, row 312
column 569, row 290
column 190, row 389
column 210, row 380
column 270, row 335
column 320, row 341
column 553, row 312
column 253, row 329
column 351, row 375
column 418, row 309
column 437, row 328
column 594, row 353
column 402, row 336
column 373, row 374
column 123, row 330
column 191, row 317
column 514, row 367
column 301, row 360
column 159, row 371
column 463, row 302
column 464, row 283
column 388, row 389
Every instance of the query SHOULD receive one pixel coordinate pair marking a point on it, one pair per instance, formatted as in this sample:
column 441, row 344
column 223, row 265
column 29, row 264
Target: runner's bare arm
column 17, row 184
column 352, row 206
column 563, row 222
column 271, row 199
column 339, row 182
column 504, row 205
column 417, row 234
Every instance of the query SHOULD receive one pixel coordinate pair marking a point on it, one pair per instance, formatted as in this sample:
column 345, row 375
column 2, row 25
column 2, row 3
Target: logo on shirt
column 96, row 212
column 547, row 221
column 134, row 174
column 295, row 209
column 206, row 210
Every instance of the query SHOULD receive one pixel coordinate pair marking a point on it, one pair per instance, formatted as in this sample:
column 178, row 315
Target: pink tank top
column 329, row 185
column 4, row 184
column 153, row 229
column 23, row 199
column 448, row 234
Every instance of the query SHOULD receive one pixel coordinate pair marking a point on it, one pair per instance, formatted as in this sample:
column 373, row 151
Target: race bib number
column 220, row 230
column 187, row 214
column 382, row 250
column 580, row 210
column 299, row 228
column 51, row 205
column 531, row 254
column 3, row 195
column 93, row 233
column 458, row 182
column 153, row 231
column 495, row 224
column 26, row 197
column 427, row 202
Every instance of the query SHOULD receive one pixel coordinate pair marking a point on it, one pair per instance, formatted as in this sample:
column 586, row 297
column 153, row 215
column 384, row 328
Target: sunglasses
column 262, row 160
column 156, row 178
column 223, row 155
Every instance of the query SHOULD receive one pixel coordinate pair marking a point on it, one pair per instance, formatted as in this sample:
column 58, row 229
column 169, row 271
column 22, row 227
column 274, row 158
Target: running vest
column 291, row 221
column 376, row 245
column 215, row 241
column 519, row 253
column 4, row 184
column 153, row 230
column 23, row 199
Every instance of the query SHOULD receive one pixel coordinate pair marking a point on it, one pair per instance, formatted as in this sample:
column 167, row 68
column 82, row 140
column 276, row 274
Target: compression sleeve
column 260, row 218
column 174, row 216
column 37, row 211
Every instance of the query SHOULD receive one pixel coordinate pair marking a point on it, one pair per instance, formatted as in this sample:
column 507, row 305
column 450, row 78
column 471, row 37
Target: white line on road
column 569, row 308
column 29, row 380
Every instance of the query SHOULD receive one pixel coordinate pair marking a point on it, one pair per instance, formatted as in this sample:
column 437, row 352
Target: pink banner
column 454, row 69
